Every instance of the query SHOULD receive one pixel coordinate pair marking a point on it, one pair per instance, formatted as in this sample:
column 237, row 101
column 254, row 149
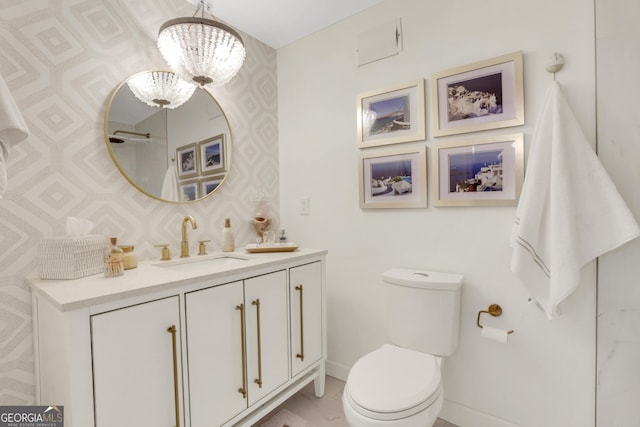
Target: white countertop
column 156, row 275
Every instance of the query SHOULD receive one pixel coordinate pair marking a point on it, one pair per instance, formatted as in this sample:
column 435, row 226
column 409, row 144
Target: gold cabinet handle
column 259, row 379
column 301, row 354
column 243, row 389
column 176, row 393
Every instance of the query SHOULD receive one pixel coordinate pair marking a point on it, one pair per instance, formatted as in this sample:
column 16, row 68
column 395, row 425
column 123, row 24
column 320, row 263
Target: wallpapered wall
column 61, row 61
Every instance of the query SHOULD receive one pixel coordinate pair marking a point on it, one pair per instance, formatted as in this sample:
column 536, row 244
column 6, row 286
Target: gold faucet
column 185, row 243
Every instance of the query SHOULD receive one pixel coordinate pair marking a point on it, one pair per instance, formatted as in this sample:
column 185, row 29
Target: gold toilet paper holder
column 495, row 310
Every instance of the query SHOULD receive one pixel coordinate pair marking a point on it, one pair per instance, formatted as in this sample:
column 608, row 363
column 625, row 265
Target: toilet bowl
column 394, row 387
column 400, row 384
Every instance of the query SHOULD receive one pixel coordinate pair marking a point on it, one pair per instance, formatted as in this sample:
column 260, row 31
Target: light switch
column 305, row 206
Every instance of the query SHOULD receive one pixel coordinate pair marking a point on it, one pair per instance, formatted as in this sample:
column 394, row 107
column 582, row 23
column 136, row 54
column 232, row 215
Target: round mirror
column 179, row 154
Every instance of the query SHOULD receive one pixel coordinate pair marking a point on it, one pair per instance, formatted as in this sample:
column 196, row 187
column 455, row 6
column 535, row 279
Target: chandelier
column 201, row 50
column 162, row 89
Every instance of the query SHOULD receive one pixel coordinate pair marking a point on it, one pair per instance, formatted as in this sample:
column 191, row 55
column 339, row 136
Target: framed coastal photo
column 393, row 178
column 212, row 155
column 187, row 163
column 188, row 190
column 209, row 185
column 391, row 115
column 480, row 96
column 486, row 171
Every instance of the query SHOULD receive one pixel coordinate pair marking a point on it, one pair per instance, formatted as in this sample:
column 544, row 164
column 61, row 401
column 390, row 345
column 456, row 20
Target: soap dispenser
column 228, row 244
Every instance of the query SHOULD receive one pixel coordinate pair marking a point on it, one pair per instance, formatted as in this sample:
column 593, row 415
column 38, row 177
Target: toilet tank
column 423, row 309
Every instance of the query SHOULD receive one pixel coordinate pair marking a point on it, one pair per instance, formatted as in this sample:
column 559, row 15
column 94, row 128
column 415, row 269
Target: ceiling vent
column 380, row 42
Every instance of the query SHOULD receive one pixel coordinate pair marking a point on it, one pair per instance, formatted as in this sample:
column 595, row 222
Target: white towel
column 13, row 129
column 170, row 185
column 569, row 211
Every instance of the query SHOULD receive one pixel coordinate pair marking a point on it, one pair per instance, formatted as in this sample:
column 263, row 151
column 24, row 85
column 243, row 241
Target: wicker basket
column 71, row 257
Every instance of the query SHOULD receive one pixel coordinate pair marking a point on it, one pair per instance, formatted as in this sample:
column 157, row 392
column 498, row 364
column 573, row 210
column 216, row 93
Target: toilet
column 400, row 384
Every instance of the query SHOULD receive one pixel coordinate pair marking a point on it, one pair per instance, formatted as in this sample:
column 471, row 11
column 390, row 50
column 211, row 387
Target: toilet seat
column 392, row 383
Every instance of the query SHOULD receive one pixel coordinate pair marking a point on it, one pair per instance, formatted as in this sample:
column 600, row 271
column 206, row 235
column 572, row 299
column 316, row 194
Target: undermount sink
column 186, row 264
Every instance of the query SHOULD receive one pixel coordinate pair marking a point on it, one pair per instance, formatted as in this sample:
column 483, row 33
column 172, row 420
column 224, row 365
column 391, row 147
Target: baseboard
column 337, row 370
column 463, row 416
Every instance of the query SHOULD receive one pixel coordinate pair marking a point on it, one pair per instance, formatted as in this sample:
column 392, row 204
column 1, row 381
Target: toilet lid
column 394, row 379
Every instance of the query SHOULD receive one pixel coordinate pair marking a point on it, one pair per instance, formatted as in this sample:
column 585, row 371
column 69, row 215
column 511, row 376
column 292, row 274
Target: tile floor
column 326, row 411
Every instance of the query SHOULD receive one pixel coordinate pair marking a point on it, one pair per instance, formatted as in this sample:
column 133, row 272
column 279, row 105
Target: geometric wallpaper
column 61, row 60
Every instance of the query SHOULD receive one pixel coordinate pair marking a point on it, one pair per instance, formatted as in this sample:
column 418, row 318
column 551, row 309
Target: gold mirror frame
column 216, row 134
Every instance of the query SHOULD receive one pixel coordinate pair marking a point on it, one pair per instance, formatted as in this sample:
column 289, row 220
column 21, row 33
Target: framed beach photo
column 391, row 115
column 209, row 185
column 212, row 155
column 189, row 191
column 187, row 161
column 393, row 178
column 486, row 171
column 480, row 96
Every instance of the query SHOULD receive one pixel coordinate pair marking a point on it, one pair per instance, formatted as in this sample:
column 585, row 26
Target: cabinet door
column 267, row 333
column 305, row 295
column 215, row 354
column 135, row 358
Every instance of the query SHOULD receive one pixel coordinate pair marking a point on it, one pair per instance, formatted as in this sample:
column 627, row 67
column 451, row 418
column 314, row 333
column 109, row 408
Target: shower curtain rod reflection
column 114, row 139
column 147, row 135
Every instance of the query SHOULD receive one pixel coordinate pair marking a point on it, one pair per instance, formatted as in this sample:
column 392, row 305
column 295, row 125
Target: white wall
column 618, row 65
column 546, row 374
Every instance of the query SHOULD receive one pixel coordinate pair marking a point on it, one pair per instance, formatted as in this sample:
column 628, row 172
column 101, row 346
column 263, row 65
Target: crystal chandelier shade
column 161, row 89
column 201, row 50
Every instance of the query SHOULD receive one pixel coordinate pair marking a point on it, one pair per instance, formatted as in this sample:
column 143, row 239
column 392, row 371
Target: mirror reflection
column 176, row 155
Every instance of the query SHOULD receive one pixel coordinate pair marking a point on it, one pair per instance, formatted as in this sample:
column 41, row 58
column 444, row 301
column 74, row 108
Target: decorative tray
column 272, row 247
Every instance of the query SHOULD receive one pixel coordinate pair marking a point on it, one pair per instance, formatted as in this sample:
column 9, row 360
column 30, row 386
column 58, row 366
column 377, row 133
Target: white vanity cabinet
column 237, row 340
column 305, row 293
column 218, row 345
column 135, row 350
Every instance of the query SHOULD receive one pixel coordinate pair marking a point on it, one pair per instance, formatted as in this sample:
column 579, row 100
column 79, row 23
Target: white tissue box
column 71, row 257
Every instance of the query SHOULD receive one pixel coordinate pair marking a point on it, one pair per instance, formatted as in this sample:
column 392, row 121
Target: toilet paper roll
column 495, row 334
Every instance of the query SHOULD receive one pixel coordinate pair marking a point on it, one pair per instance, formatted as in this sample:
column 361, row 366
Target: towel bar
column 495, row 310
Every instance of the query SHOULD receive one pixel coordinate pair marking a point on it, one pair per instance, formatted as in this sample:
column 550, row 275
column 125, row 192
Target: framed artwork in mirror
column 391, row 115
column 212, row 155
column 189, row 190
column 187, row 161
column 486, row 171
column 208, row 185
column 479, row 96
column 393, row 178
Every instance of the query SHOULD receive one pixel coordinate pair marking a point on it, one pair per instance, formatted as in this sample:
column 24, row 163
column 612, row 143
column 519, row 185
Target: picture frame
column 212, row 155
column 393, row 178
column 189, row 190
column 209, row 185
column 481, row 171
column 187, row 161
column 479, row 96
column 391, row 115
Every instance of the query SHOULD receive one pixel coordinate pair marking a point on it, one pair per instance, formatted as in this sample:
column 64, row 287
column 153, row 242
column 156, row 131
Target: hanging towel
column 13, row 129
column 569, row 211
column 170, row 185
